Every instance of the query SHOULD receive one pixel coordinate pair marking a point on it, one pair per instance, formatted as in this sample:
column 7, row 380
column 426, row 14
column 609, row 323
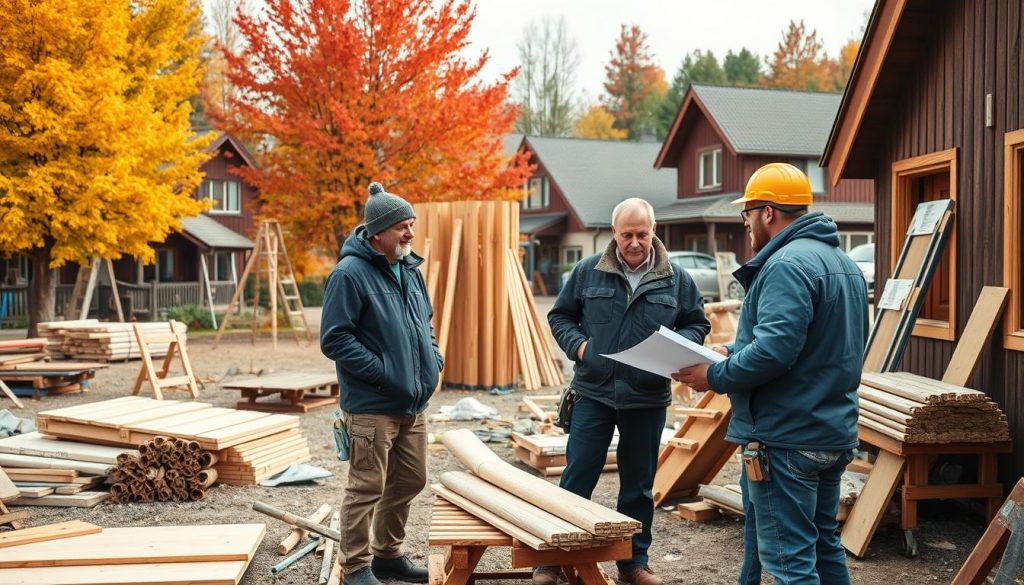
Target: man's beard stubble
column 402, row 250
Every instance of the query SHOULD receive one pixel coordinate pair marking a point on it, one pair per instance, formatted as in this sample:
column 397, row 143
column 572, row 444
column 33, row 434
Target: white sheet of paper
column 895, row 294
column 664, row 353
column 926, row 217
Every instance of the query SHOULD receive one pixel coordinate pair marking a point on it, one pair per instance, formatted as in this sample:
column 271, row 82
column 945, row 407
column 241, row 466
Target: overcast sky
column 674, row 28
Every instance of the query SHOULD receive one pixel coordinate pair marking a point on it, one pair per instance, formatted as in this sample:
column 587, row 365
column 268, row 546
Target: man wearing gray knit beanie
column 376, row 327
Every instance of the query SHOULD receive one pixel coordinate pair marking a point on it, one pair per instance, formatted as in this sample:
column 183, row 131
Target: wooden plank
column 286, row 381
column 976, row 335
column 80, row 500
column 8, row 491
column 46, row 533
column 449, row 290
column 867, row 512
column 212, row 573
column 523, row 556
column 146, row 544
column 992, row 544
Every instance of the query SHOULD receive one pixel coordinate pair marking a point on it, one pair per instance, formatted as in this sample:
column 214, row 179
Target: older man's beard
column 402, row 250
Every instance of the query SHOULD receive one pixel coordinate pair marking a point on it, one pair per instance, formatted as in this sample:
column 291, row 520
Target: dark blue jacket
column 596, row 306
column 793, row 372
column 378, row 332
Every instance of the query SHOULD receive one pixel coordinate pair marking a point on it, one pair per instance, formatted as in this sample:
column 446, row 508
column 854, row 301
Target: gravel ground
column 682, row 552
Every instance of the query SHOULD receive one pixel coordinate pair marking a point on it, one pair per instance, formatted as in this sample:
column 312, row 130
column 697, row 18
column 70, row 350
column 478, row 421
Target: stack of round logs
column 166, row 470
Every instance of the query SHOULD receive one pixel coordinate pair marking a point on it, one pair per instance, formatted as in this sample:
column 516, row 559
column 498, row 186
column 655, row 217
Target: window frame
column 1013, row 158
column 528, row 193
column 578, row 250
column 206, row 192
column 901, row 213
column 716, row 168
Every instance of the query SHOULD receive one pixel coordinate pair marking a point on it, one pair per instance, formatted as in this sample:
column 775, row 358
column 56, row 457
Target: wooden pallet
column 297, row 391
column 466, row 537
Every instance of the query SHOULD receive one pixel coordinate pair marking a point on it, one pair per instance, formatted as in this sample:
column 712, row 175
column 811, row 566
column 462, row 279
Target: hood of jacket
column 812, row 226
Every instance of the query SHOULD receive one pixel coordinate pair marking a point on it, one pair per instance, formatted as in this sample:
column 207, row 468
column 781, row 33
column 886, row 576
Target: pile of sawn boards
column 539, row 514
column 89, row 339
column 24, row 367
column 250, row 446
column 915, row 409
column 49, row 472
column 79, row 553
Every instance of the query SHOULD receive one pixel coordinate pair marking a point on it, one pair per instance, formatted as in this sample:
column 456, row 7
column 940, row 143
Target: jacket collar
column 609, row 261
column 745, row 274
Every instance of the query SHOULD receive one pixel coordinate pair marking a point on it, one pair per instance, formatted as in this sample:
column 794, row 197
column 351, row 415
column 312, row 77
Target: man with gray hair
column 376, row 328
column 611, row 302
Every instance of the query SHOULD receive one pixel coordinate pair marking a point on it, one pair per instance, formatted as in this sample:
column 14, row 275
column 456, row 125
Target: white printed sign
column 895, row 293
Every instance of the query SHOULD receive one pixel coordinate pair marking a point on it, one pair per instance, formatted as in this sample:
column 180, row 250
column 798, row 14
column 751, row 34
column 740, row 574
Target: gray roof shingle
column 213, row 234
column 771, row 121
column 595, row 175
column 719, row 208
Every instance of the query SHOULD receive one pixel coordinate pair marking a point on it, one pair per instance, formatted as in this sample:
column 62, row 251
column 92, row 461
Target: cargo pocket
column 362, row 453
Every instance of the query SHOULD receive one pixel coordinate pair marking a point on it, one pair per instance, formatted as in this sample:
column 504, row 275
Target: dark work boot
column 400, row 568
column 363, row 576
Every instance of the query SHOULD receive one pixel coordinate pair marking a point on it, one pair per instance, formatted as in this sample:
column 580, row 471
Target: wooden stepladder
column 158, row 379
column 269, row 263
column 85, row 286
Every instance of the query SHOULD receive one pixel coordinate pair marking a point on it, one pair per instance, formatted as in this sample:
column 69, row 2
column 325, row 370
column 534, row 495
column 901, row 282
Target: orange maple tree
column 337, row 93
column 800, row 62
column 635, row 84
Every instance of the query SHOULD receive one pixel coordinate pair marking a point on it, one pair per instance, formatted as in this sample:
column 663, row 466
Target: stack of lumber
column 717, row 500
column 546, row 453
column 165, row 470
column 537, row 513
column 23, row 351
column 249, row 446
column 89, row 339
column 38, row 379
column 62, row 555
column 484, row 315
column 915, row 409
column 48, row 472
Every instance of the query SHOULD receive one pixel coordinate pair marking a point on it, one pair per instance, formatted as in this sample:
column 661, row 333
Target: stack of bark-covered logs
column 484, row 315
column 165, row 470
column 915, row 409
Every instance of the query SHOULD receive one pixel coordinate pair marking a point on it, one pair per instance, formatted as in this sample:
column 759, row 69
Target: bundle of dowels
column 915, row 409
column 165, row 469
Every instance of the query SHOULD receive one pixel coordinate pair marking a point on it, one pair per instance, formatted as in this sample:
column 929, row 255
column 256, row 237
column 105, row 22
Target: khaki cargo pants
column 387, row 469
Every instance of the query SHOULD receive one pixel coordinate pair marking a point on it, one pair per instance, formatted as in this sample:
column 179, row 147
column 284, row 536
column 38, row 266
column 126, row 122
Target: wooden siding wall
column 967, row 50
column 219, row 167
column 701, row 135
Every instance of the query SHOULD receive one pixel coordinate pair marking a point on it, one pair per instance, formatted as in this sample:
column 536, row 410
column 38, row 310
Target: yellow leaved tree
column 96, row 151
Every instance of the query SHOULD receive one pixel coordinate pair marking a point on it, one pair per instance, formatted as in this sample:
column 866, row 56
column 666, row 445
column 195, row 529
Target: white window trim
column 209, row 183
column 716, row 165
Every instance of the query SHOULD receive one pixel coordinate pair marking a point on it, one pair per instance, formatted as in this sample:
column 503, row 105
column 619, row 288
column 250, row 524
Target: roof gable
column 236, row 145
column 758, row 120
column 596, row 175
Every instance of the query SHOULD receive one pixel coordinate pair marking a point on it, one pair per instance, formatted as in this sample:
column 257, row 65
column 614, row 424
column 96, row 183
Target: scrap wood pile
column 25, row 368
column 48, row 472
column 539, row 514
column 915, row 409
column 79, row 553
column 89, row 339
column 166, row 469
column 23, row 351
column 484, row 313
column 249, row 446
column 546, row 453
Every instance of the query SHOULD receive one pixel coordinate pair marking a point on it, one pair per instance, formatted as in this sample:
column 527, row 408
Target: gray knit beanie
column 384, row 210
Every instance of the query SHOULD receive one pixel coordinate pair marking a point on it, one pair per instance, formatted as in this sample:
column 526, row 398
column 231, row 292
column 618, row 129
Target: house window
column 572, row 255
column 915, row 181
column 222, row 266
column 850, row 240
column 1013, row 210
column 709, row 169
column 225, row 195
column 814, row 173
column 535, row 193
column 163, row 270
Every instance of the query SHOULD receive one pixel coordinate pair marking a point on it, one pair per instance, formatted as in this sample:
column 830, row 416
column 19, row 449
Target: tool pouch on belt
column 342, row 441
column 755, row 462
column 566, row 401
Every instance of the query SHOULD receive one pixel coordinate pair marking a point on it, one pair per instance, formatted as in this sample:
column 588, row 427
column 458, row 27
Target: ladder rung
column 699, row 412
column 291, row 297
column 684, row 444
column 177, row 381
column 295, row 313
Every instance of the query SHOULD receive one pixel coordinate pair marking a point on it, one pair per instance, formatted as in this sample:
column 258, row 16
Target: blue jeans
column 791, row 528
column 593, row 425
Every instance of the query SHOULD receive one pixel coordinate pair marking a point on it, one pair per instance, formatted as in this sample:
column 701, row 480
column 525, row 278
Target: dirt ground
column 682, row 552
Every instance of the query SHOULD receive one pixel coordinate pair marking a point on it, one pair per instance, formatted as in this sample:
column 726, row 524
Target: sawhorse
column 465, row 538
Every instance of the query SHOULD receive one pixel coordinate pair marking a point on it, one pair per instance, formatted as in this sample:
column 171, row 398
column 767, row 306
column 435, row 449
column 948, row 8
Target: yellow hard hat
column 780, row 183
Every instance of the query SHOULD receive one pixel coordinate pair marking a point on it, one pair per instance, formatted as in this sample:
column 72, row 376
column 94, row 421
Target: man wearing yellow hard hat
column 792, row 378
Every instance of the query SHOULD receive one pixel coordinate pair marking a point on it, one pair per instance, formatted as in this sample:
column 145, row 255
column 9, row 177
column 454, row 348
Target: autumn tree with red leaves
column 635, row 85
column 340, row 93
